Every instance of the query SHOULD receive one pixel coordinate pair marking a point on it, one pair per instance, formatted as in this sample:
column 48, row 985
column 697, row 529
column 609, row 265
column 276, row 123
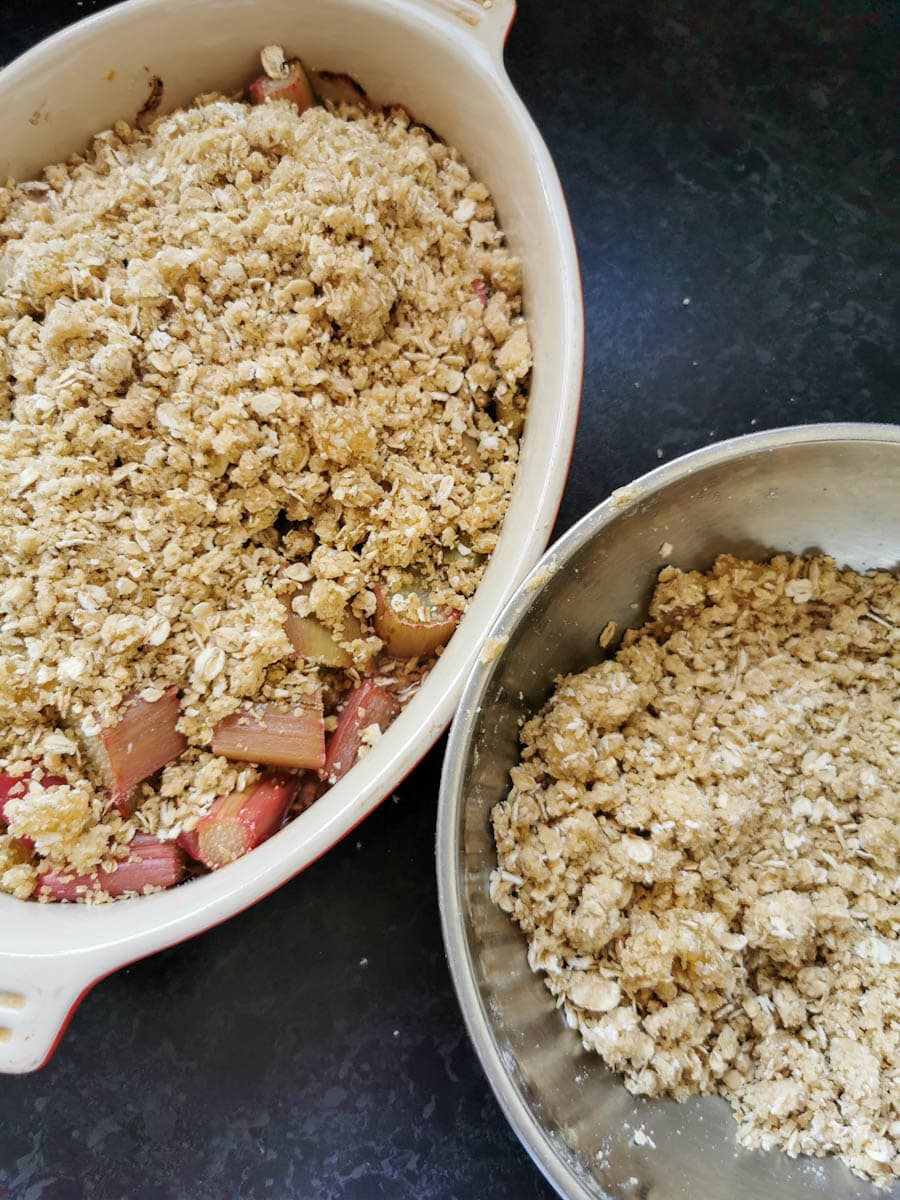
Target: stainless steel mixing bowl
column 831, row 488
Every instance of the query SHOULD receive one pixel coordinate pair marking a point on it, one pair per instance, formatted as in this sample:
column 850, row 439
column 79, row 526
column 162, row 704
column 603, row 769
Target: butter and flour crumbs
column 701, row 845
column 248, row 355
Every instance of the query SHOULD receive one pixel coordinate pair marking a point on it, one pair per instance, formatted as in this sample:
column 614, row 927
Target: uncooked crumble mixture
column 701, row 844
column 249, row 357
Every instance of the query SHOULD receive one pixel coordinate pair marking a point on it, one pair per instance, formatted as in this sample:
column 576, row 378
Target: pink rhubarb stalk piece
column 274, row 736
column 479, row 287
column 366, row 705
column 143, row 740
column 294, row 87
column 239, row 822
column 14, row 786
column 409, row 639
column 151, row 863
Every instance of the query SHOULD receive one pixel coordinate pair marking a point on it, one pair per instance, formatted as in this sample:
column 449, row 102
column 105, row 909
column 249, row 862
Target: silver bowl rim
column 527, row 1128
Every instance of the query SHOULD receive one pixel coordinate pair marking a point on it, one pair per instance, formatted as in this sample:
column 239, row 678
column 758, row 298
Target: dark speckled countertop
column 731, row 170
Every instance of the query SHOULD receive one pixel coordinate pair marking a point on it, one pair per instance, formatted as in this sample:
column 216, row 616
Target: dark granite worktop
column 732, row 180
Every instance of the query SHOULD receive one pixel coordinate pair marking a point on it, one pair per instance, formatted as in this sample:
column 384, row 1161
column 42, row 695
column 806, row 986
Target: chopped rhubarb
column 151, row 864
column 294, row 86
column 237, row 823
column 275, row 736
column 367, row 705
column 479, row 287
column 143, row 740
column 125, row 804
column 189, row 840
column 409, row 639
column 315, row 642
column 14, row 786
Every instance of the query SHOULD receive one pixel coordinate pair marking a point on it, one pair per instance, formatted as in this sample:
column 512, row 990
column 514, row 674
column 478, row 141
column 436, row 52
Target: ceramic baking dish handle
column 486, row 20
column 37, row 998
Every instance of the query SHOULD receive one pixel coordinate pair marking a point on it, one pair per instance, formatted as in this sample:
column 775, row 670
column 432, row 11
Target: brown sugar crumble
column 701, row 845
column 249, row 356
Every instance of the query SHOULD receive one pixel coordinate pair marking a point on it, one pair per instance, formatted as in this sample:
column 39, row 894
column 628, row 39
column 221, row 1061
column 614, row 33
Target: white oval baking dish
column 442, row 59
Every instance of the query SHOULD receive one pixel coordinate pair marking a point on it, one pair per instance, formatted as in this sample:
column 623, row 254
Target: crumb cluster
column 243, row 354
column 701, row 845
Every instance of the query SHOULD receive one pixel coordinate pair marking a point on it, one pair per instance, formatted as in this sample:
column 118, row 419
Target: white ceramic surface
column 443, row 59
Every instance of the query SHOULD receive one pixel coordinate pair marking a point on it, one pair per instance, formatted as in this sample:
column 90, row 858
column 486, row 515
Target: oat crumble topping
column 242, row 339
column 701, row 845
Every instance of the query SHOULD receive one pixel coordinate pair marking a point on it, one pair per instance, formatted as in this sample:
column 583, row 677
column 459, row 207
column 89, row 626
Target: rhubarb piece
column 275, row 736
column 366, row 705
column 237, row 823
column 14, row 786
column 143, row 740
column 151, row 863
column 189, row 839
column 282, row 81
column 479, row 287
column 404, row 638
column 337, row 88
column 315, row 642
column 125, row 803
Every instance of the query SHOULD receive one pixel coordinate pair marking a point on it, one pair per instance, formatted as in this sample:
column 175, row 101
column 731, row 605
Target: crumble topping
column 701, row 845
column 242, row 339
